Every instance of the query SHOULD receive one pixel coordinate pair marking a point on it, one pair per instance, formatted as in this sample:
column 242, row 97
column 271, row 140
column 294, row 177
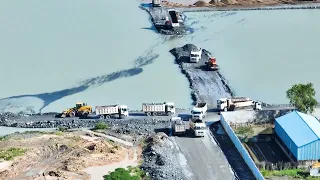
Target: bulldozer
column 80, row 110
column 212, row 64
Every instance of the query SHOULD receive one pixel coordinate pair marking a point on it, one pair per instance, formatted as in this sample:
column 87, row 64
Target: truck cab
column 195, row 55
column 197, row 113
column 198, row 127
column 170, row 108
column 222, row 104
column 123, row 109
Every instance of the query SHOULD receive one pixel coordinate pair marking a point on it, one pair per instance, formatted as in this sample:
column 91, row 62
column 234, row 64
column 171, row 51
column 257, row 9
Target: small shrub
column 121, row 174
column 62, row 129
column 131, row 173
column 59, row 133
column 9, row 154
column 101, row 125
column 4, row 138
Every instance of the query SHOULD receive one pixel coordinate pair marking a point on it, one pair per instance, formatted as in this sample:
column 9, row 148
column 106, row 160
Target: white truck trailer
column 156, row 3
column 178, row 126
column 230, row 104
column 199, row 111
column 154, row 109
column 197, row 127
column 195, row 55
column 174, row 18
column 109, row 111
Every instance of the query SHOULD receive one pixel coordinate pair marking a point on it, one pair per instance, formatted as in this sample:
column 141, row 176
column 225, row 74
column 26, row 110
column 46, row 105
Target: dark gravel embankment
column 207, row 86
column 161, row 160
column 158, row 16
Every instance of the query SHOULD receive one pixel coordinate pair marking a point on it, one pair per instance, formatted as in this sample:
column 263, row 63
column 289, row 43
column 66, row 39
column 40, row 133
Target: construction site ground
column 60, row 155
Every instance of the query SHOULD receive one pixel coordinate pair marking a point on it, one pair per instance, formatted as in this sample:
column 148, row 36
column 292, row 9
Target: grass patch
column 58, row 133
column 4, row 138
column 132, row 173
column 295, row 173
column 9, row 154
column 101, row 125
column 243, row 130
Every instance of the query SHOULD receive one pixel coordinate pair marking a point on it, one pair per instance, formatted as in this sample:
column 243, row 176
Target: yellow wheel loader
column 80, row 110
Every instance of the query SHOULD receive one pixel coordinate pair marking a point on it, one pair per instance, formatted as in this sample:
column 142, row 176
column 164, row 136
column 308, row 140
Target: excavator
column 212, row 64
column 80, row 110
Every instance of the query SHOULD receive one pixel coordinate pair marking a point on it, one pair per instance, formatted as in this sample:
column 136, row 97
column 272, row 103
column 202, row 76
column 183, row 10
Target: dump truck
column 178, row 126
column 156, row 3
column 199, row 111
column 120, row 111
column 230, row 104
column 197, row 127
column 212, row 64
column 80, row 110
column 154, row 109
column 174, row 18
column 195, row 55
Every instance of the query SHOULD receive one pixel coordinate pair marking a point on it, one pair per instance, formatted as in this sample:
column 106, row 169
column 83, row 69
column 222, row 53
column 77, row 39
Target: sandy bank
column 223, row 5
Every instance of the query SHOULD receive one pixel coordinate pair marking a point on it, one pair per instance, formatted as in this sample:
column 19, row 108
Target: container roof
column 301, row 128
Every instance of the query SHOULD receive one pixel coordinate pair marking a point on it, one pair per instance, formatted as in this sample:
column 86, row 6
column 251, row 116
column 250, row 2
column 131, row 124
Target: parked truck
column 199, row 111
column 156, row 3
column 195, row 55
column 212, row 64
column 120, row 111
column 178, row 126
column 174, row 18
column 230, row 104
column 197, row 127
column 154, row 109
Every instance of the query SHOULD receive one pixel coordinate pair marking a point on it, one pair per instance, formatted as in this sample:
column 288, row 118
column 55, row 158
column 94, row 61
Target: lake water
column 60, row 52
column 262, row 53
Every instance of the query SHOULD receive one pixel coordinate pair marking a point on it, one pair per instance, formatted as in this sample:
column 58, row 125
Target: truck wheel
column 108, row 116
column 169, row 113
column 85, row 114
column 154, row 114
column 72, row 114
column 101, row 116
column 148, row 113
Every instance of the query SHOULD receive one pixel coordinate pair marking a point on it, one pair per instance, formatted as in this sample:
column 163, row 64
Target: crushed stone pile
column 161, row 159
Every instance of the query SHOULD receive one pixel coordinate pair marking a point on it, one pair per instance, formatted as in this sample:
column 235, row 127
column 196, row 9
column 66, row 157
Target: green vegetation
column 132, row 173
column 101, row 125
column 9, row 154
column 4, row 138
column 295, row 173
column 243, row 130
column 302, row 96
column 62, row 129
column 58, row 133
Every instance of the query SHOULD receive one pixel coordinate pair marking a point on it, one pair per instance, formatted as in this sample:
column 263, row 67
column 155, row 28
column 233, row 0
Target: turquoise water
column 56, row 53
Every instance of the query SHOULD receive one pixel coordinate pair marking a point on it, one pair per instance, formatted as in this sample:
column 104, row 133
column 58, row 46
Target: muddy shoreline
column 302, row 5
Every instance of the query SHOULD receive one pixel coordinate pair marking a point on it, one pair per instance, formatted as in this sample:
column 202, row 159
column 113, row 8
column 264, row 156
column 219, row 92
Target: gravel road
column 205, row 159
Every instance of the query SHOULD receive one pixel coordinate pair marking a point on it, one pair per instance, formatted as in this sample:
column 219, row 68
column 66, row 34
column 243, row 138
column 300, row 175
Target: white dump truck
column 178, row 126
column 154, row 109
column 195, row 55
column 156, row 3
column 199, row 111
column 197, row 127
column 174, row 18
column 109, row 111
column 230, row 104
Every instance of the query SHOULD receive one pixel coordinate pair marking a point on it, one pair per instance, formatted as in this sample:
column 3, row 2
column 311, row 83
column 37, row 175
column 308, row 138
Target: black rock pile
column 161, row 159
